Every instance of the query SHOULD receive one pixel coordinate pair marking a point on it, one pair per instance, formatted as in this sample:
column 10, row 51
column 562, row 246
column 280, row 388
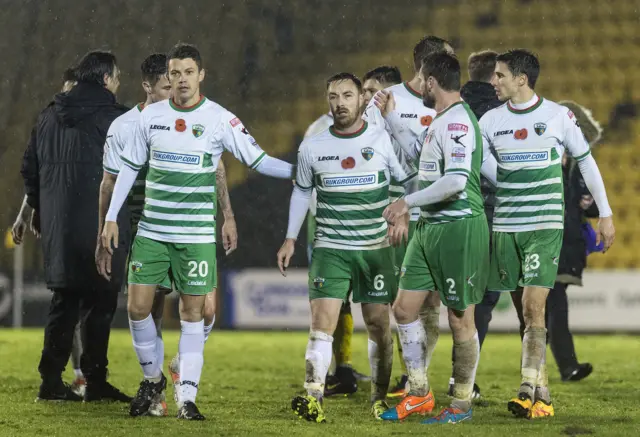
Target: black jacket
column 62, row 170
column 481, row 97
column 573, row 258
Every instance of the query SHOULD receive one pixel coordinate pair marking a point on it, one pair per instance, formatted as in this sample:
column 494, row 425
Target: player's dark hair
column 153, row 68
column 94, row 65
column 345, row 76
column 185, row 51
column 522, row 61
column 482, row 65
column 385, row 74
column 69, row 75
column 426, row 46
column 445, row 68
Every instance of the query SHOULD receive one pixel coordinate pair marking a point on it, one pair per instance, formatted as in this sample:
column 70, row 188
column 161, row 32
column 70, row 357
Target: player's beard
column 428, row 101
column 345, row 121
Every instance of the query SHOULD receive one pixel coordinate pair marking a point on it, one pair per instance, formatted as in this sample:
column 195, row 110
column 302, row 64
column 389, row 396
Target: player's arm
column 30, row 171
column 229, row 228
column 134, row 156
column 578, row 147
column 408, row 140
column 489, row 167
column 399, row 232
column 237, row 140
column 298, row 207
column 111, row 165
column 457, row 154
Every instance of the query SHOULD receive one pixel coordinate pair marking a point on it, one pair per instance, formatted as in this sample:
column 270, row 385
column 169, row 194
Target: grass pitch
column 249, row 379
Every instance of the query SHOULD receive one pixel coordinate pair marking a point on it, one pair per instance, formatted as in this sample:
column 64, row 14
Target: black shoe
column 104, row 391
column 345, row 384
column 146, row 392
column 579, row 373
column 57, row 392
column 189, row 411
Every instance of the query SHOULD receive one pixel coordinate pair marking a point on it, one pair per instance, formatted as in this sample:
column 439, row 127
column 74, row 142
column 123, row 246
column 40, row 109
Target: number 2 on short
column 452, row 285
column 202, row 268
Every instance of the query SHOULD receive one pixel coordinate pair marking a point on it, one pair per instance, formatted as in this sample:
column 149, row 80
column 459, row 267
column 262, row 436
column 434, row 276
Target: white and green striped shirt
column 351, row 175
column 528, row 144
column 121, row 129
column 182, row 147
column 416, row 117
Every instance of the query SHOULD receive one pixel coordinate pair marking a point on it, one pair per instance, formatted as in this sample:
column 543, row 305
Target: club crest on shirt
column 539, row 128
column 367, row 153
column 197, row 130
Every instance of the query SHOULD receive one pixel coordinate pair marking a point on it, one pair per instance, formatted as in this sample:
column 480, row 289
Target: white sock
column 78, row 373
column 159, row 343
column 414, row 339
column 208, row 328
column 191, row 348
column 380, row 360
column 144, row 343
column 318, row 360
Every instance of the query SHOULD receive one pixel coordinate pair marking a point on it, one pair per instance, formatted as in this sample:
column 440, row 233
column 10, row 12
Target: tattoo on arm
column 223, row 190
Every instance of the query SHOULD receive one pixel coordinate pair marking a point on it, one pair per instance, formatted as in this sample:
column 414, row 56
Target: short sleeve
column 573, row 138
column 458, row 141
column 304, row 171
column 135, row 153
column 113, row 148
column 237, row 140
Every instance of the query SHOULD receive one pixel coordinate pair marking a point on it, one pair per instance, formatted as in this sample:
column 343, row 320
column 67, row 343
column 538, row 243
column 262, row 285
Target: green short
column 192, row 266
column 399, row 252
column 452, row 258
column 368, row 273
column 521, row 259
column 166, row 285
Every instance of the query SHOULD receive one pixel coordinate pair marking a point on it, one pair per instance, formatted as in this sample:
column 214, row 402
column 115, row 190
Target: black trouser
column 558, row 334
column 97, row 308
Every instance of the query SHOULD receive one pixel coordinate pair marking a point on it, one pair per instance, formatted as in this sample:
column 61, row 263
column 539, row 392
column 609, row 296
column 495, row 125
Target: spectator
column 62, row 170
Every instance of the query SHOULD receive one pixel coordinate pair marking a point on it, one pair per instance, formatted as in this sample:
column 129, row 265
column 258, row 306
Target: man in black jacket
column 481, row 97
column 62, row 170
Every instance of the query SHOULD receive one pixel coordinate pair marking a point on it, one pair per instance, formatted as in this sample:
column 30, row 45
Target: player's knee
column 137, row 310
column 402, row 314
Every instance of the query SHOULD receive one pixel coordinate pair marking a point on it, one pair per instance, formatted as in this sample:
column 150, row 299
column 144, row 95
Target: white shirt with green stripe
column 351, row 175
column 451, row 146
column 529, row 141
column 121, row 129
column 415, row 117
column 182, row 147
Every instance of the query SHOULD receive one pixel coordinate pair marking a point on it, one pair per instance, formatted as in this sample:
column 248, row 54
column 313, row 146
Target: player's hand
column 385, row 102
column 398, row 234
column 34, row 224
column 284, row 255
column 586, row 201
column 103, row 261
column 229, row 235
column 18, row 229
column 394, row 212
column 109, row 236
column 606, row 232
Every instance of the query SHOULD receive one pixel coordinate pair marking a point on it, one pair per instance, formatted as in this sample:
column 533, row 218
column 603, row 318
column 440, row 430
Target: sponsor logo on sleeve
column 179, row 158
column 539, row 128
column 458, row 154
column 234, row 122
column 458, row 127
column 456, row 139
column 367, row 153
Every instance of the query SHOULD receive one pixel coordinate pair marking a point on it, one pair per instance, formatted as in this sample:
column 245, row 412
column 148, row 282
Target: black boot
column 56, row 391
column 103, row 391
